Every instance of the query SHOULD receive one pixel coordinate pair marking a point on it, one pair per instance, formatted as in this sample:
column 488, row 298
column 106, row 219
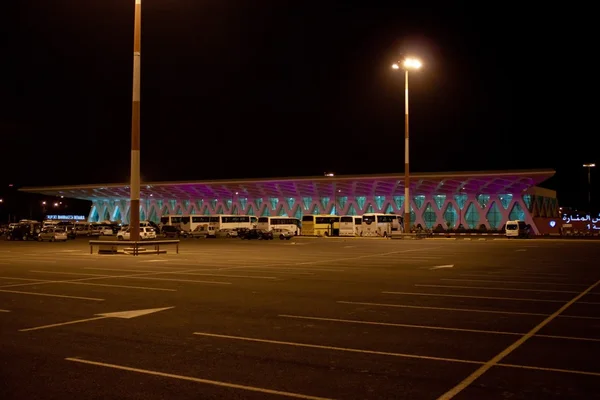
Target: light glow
column 589, row 165
column 395, row 66
column 412, row 63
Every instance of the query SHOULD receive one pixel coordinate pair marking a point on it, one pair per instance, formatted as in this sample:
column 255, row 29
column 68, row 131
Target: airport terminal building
column 476, row 199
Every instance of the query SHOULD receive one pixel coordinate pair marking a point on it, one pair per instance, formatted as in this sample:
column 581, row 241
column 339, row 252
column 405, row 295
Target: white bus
column 320, row 225
column 376, row 224
column 188, row 222
column 288, row 223
column 350, row 225
column 222, row 222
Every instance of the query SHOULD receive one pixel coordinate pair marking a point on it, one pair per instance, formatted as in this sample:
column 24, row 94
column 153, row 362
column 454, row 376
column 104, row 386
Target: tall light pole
column 589, row 167
column 407, row 63
column 134, row 185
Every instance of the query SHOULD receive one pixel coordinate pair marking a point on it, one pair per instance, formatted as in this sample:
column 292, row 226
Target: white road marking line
column 567, row 371
column 439, row 328
column 500, row 356
column 120, row 286
column 199, row 380
column 527, row 272
column 51, row 295
column 273, row 271
column 148, row 261
column 4, row 310
column 60, row 324
column 445, row 309
column 595, row 303
column 192, row 273
column 569, row 338
column 474, row 297
column 90, row 284
column 498, row 288
column 517, row 276
column 133, row 277
column 515, row 282
column 351, row 350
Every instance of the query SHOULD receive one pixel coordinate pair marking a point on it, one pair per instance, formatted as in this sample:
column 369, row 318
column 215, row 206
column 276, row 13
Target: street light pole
column 134, row 204
column 406, row 170
column 589, row 176
column 408, row 63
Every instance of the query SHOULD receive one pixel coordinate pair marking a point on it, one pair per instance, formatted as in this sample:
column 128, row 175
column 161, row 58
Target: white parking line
column 4, row 310
column 44, row 281
column 438, row 328
column 199, row 380
column 514, row 282
column 350, row 350
column 475, row 297
column 51, row 295
column 359, row 303
column 134, row 277
column 498, row 288
column 189, row 273
column 500, row 356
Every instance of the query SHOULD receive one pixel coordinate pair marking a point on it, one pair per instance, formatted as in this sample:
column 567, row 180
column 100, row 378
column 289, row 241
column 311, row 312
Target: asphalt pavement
column 305, row 318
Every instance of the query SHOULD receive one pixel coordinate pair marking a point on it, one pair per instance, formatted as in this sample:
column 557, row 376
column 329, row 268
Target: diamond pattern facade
column 448, row 199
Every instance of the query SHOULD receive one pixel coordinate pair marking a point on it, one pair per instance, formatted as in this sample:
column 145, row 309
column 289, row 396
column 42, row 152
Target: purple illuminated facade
column 471, row 199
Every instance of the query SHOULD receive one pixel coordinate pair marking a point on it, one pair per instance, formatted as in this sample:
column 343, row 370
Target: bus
column 376, row 224
column 288, row 223
column 320, row 225
column 188, row 222
column 350, row 225
column 223, row 222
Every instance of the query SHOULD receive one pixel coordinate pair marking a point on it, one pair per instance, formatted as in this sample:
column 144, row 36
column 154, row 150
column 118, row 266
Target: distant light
column 1, row 200
column 329, row 174
column 43, row 203
column 395, row 66
column 412, row 63
column 151, row 195
column 236, row 193
column 62, row 197
column 589, row 165
column 55, row 204
column 10, row 185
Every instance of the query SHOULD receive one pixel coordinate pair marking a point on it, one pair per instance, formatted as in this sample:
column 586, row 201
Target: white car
column 146, row 233
column 282, row 233
column 53, row 235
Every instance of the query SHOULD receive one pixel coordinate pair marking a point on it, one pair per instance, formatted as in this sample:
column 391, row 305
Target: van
column 516, row 229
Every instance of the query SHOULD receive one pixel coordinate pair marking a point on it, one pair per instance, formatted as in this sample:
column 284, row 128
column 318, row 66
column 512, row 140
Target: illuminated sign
column 67, row 217
column 592, row 223
column 552, row 224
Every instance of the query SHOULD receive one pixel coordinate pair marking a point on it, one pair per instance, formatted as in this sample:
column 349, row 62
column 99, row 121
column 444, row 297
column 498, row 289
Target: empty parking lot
column 307, row 318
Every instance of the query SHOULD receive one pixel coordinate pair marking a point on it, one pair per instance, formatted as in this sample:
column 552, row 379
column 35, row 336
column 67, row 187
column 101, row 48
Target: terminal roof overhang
column 480, row 182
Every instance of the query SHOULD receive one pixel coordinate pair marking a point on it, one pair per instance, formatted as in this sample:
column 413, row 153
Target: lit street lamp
column 407, row 63
column 134, row 203
column 589, row 167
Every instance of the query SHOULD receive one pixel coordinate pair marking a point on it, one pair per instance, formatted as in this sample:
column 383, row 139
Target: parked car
column 202, row 231
column 282, row 234
column 170, row 231
column 146, row 233
column 259, row 234
column 24, row 231
column 53, row 235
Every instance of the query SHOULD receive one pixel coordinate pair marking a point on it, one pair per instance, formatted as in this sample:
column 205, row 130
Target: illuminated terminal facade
column 475, row 200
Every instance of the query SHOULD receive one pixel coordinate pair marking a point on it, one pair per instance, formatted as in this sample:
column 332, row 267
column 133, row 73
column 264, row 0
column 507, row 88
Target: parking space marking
column 145, row 277
column 438, row 328
column 345, row 349
column 497, row 288
column 359, row 303
column 199, row 380
column 118, row 286
column 500, row 356
column 566, row 371
column 475, row 297
column 45, row 281
column 51, row 295
column 583, row 339
column 61, row 324
column 189, row 273
column 513, row 282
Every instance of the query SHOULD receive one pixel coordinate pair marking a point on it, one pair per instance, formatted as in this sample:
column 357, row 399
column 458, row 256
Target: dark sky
column 239, row 89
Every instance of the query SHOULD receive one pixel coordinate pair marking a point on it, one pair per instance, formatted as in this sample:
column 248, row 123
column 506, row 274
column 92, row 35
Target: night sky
column 243, row 89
